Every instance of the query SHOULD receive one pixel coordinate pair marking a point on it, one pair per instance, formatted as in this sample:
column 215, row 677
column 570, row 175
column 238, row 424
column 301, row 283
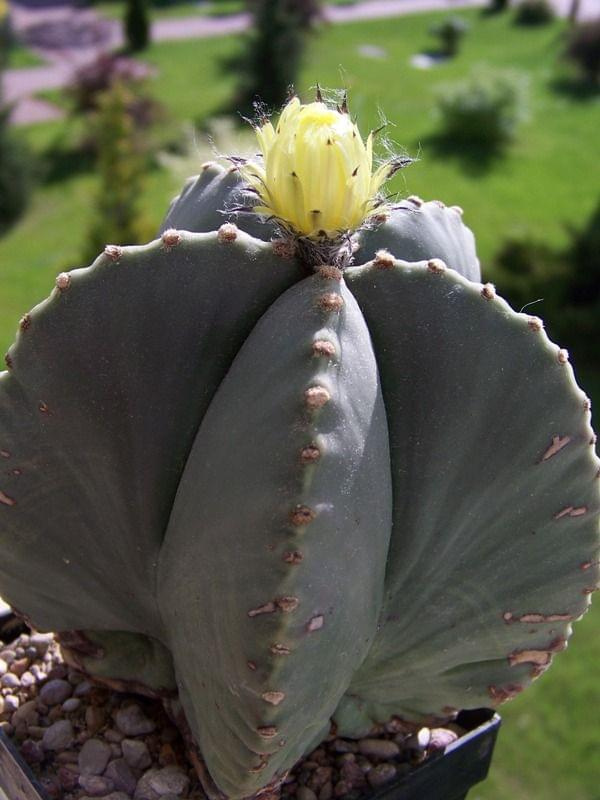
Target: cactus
column 280, row 483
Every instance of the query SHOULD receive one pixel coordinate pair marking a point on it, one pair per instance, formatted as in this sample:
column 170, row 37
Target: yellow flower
column 316, row 172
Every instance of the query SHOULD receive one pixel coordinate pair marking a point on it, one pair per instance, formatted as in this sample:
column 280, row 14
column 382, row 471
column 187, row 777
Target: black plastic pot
column 446, row 775
column 449, row 775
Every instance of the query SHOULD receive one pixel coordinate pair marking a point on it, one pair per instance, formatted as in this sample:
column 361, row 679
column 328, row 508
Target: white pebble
column 59, row 736
column 11, row 703
column 3, row 667
column 10, row 681
column 27, row 679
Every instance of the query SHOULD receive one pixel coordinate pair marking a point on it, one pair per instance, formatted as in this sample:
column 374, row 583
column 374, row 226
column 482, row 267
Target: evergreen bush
column 484, row 109
column 137, row 25
column 534, row 12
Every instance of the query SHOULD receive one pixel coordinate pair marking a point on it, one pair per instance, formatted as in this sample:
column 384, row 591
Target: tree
column 274, row 50
column 137, row 25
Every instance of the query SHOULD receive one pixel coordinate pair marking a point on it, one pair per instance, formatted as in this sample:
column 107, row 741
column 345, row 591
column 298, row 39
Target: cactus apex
column 227, row 233
column 171, row 238
column 436, row 265
column 63, row 281
column 415, row 200
column 383, row 260
column 329, row 272
column 113, row 252
column 293, row 557
column 563, row 356
column 458, row 210
column 284, row 248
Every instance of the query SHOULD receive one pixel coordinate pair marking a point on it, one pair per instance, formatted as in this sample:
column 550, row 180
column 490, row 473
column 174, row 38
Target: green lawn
column 550, row 743
column 20, row 56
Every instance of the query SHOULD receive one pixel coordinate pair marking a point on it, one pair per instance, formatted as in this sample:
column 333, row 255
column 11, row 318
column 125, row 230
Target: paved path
column 67, row 37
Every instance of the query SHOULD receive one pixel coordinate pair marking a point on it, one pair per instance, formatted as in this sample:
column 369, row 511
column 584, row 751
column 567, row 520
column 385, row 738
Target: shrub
column 484, row 109
column 450, row 33
column 92, row 79
column 16, row 173
column 583, row 48
column 534, row 12
column 137, row 25
column 121, row 164
column 567, row 282
column 498, row 5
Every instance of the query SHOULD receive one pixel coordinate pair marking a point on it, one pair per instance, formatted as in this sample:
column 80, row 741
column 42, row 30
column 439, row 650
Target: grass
column 20, row 56
column 549, row 744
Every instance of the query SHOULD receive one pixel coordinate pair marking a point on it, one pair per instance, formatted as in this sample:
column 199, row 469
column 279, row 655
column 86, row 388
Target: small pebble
column 69, row 778
column 28, row 679
column 93, row 757
column 419, row 740
column 3, row 667
column 378, row 748
column 114, row 736
column 83, row 688
column 95, row 717
column 71, row 704
column 32, row 751
column 442, row 737
column 136, row 754
column 96, row 785
column 10, row 681
column 120, row 773
column 170, row 779
column 381, row 774
column 26, row 713
column 133, row 722
column 8, row 656
column 41, row 642
column 304, row 793
column 11, row 703
column 55, row 691
column 19, row 666
column 59, row 736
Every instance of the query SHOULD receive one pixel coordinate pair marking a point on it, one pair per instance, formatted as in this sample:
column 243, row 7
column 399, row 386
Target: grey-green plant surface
column 293, row 497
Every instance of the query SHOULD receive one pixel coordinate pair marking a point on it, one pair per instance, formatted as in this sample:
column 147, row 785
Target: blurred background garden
column 107, row 107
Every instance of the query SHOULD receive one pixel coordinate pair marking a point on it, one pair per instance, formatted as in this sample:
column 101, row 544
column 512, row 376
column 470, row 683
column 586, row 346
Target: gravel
column 84, row 741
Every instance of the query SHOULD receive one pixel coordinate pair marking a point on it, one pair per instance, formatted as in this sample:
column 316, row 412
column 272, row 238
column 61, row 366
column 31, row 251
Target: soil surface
column 85, row 741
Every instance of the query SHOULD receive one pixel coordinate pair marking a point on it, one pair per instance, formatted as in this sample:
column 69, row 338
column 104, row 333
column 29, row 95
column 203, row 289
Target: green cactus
column 277, row 496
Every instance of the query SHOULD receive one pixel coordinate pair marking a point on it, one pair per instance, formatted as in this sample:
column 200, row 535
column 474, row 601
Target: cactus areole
column 297, row 472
